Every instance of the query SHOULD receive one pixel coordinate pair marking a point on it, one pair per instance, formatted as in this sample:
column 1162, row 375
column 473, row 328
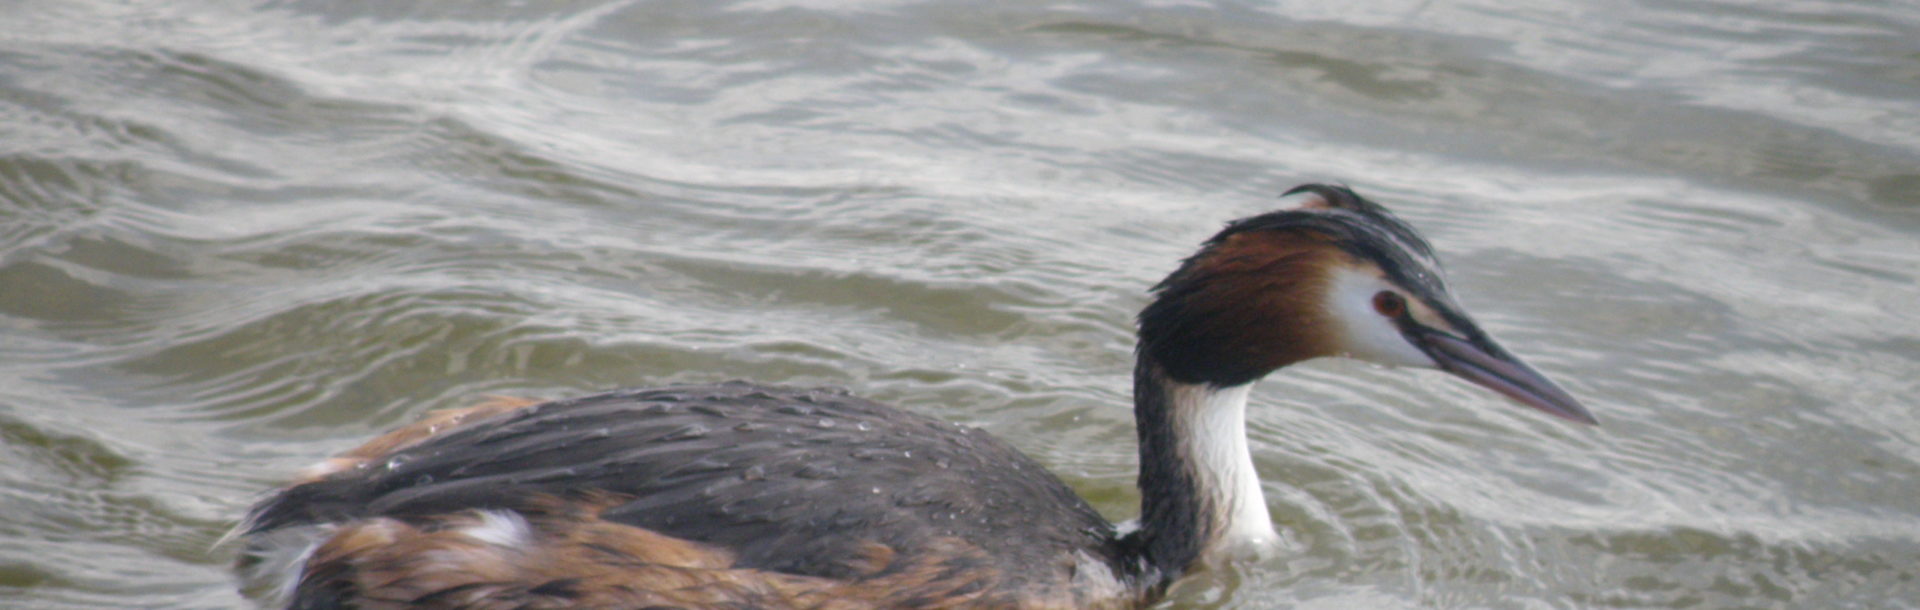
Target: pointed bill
column 1486, row 363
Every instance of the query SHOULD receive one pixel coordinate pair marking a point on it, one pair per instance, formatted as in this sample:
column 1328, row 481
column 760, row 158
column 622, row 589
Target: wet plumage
column 743, row 495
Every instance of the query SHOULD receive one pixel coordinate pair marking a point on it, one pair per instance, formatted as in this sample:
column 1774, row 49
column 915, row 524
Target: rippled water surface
column 238, row 236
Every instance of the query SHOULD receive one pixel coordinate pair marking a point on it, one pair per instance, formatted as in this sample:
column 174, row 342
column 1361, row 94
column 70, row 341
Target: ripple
column 236, row 238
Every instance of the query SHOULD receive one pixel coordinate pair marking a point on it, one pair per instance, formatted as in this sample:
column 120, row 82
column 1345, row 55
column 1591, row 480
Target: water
column 236, row 237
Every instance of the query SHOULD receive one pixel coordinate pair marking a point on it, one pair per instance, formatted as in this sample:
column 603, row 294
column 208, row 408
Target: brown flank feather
column 573, row 559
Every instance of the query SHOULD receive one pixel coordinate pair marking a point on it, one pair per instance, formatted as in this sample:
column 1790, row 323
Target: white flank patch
column 501, row 528
column 1092, row 578
column 279, row 557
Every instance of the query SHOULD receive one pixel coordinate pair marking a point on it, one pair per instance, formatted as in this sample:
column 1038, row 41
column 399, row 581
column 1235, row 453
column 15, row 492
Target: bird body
column 742, row 495
column 776, row 496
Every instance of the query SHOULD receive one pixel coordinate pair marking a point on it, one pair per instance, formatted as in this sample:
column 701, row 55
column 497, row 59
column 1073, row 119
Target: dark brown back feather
column 792, row 481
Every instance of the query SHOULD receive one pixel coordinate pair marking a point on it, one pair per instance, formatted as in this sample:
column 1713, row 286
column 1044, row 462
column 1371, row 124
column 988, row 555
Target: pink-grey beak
column 1484, row 362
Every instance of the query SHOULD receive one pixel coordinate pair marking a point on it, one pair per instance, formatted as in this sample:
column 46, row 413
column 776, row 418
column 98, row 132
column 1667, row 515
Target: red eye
column 1389, row 304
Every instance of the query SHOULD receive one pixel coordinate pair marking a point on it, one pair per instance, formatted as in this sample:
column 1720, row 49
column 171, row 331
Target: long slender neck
column 1199, row 494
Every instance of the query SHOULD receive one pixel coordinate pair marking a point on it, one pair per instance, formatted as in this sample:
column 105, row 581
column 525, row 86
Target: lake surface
column 238, row 236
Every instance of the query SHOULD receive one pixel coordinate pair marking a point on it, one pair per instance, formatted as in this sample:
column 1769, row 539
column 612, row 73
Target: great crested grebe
column 745, row 496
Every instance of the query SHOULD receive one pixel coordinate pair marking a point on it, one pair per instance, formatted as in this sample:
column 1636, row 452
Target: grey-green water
column 238, row 236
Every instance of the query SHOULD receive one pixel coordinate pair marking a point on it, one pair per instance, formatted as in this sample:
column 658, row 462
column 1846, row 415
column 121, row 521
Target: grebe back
column 741, row 495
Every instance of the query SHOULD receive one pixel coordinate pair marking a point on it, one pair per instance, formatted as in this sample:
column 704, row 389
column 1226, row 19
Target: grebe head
column 1332, row 275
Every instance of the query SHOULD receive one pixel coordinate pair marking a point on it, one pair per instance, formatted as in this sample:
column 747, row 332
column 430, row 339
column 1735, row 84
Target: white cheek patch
column 1366, row 334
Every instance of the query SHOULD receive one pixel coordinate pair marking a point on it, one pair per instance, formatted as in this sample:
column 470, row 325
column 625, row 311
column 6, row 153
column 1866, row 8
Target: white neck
column 1215, row 423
